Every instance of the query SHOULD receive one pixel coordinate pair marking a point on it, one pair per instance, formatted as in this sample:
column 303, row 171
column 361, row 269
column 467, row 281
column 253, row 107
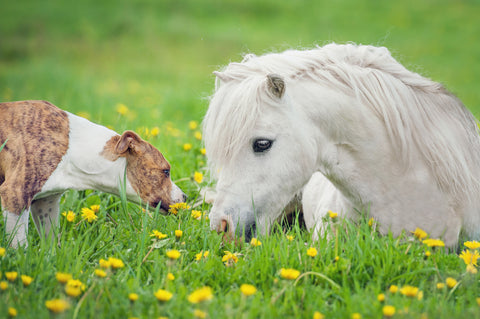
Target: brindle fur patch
column 37, row 133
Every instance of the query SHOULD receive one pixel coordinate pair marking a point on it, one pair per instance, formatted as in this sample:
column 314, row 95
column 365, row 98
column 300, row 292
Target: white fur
column 392, row 142
column 82, row 167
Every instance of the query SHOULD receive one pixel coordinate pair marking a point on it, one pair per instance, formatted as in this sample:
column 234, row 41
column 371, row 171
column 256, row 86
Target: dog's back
column 37, row 138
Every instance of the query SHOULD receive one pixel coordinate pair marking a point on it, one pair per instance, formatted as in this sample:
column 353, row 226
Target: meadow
column 147, row 65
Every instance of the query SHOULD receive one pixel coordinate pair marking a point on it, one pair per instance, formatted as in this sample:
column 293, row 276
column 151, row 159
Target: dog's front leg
column 16, row 226
column 45, row 213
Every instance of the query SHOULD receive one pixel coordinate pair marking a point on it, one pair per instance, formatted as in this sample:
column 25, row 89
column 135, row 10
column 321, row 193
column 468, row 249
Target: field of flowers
column 147, row 65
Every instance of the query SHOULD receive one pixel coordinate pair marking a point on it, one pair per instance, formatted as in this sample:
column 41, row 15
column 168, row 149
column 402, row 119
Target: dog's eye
column 166, row 172
column 262, row 145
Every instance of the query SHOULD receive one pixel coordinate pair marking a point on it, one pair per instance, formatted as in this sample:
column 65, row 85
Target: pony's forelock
column 415, row 110
column 235, row 106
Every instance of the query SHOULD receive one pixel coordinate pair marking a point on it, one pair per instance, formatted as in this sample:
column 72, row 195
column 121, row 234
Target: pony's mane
column 418, row 113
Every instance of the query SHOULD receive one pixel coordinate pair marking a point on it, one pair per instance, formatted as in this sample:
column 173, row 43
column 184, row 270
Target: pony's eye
column 261, row 145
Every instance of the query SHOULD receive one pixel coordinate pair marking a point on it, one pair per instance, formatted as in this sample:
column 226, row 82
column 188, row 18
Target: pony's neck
column 357, row 156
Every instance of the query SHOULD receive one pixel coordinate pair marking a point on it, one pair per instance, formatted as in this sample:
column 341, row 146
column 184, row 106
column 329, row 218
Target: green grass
column 157, row 58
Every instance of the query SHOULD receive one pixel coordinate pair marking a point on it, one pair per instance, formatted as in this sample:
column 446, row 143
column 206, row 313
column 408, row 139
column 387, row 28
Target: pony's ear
column 222, row 76
column 276, row 85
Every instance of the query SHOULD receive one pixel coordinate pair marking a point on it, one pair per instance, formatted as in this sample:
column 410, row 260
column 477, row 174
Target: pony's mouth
column 241, row 234
column 250, row 231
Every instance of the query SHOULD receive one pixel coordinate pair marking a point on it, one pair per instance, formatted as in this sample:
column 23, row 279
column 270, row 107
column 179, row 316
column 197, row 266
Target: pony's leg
column 16, row 226
column 45, row 213
column 319, row 196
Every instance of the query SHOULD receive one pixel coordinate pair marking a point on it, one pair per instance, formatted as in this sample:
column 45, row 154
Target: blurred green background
column 157, row 56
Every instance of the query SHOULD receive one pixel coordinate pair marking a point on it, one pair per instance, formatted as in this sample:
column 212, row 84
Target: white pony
column 369, row 135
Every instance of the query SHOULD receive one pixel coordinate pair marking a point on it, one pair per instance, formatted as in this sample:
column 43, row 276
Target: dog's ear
column 129, row 141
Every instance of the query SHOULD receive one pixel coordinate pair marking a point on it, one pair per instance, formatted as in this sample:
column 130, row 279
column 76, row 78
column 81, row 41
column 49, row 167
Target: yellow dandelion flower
column 201, row 294
column 393, row 289
column 133, row 296
column 187, row 147
column 73, row 291
column 104, row 263
column 470, row 258
column 95, row 208
column 312, row 252
column 388, row 311
column 198, row 177
column 88, row 214
column 2, row 251
column 3, row 285
column 174, row 208
column 62, row 277
column 440, row 285
column 289, row 273
column 11, row 275
column 158, row 234
column 202, row 254
column 170, row 276
column 472, row 244
column 478, row 301
column 409, row 291
column 197, row 313
column 12, row 312
column 420, row 295
column 356, row 315
column 255, row 242
column 451, row 282
column 428, row 253
column 85, row 115
column 163, row 295
column 332, row 215
column 100, row 273
column 471, row 269
column 248, row 290
column 290, row 237
column 381, row 297
column 155, row 131
column 74, row 287
column 173, row 254
column 193, row 125
column 370, row 222
column 203, row 151
column 57, row 305
column 178, row 233
column 70, row 216
column 116, row 263
column 419, row 233
column 198, row 135
column 434, row 243
column 26, row 280
column 318, row 315
column 229, row 258
column 121, row 109
column 196, row 214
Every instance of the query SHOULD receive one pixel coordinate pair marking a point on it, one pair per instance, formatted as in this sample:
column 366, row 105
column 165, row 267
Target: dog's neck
column 83, row 166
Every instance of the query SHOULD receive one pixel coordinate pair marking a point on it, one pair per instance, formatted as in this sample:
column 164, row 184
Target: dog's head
column 147, row 170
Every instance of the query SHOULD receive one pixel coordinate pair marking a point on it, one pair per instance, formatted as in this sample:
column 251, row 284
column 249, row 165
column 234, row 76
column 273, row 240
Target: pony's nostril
column 224, row 226
column 184, row 197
